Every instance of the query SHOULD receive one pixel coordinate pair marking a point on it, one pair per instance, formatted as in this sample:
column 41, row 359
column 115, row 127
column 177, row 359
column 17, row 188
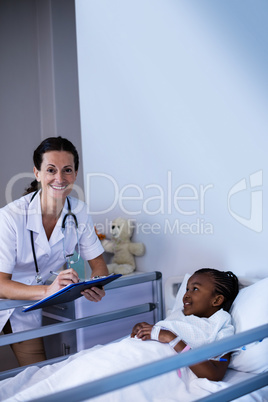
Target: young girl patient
column 203, row 319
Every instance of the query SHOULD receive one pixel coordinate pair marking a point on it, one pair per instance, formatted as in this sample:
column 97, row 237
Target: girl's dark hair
column 51, row 144
column 226, row 284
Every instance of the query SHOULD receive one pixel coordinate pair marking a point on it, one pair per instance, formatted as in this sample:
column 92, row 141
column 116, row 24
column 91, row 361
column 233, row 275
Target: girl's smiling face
column 200, row 298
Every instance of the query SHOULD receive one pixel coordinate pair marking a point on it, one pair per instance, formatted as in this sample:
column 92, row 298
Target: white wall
column 173, row 98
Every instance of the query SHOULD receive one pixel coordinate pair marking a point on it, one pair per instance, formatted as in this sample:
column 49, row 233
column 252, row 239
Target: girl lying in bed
column 204, row 319
column 209, row 295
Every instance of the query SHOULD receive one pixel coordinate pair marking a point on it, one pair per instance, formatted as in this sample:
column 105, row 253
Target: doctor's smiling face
column 56, row 175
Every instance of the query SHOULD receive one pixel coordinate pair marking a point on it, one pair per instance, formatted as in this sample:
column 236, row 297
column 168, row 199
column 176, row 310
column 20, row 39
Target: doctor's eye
column 68, row 170
column 51, row 170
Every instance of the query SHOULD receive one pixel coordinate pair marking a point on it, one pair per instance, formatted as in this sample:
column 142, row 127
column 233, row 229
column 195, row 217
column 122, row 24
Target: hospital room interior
column 166, row 102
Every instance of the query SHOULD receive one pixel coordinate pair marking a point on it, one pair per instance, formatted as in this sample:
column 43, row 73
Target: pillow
column 182, row 289
column 250, row 310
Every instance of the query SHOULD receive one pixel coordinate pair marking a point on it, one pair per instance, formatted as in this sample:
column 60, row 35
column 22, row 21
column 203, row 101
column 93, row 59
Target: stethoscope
column 38, row 276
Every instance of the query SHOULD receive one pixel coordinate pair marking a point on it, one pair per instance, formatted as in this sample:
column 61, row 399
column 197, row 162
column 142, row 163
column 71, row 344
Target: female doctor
column 39, row 233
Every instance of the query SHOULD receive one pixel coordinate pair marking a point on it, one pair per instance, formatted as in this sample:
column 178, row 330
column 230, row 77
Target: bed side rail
column 155, row 277
column 127, row 280
column 156, row 306
column 75, row 324
column 117, row 381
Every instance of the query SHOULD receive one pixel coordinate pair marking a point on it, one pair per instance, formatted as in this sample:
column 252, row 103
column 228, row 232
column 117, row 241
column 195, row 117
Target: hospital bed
column 247, row 376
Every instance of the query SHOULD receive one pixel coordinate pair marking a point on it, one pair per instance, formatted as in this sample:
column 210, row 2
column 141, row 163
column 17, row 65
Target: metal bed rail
column 72, row 324
column 75, row 324
column 127, row 280
column 154, row 277
column 129, row 377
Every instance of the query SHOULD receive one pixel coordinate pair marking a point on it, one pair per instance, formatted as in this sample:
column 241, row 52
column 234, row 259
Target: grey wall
column 38, row 85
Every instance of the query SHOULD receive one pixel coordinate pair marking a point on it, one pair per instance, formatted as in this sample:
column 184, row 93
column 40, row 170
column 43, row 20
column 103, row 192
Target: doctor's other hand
column 94, row 294
column 64, row 278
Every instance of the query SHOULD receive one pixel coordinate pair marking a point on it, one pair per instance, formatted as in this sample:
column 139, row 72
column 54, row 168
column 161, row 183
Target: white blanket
column 102, row 361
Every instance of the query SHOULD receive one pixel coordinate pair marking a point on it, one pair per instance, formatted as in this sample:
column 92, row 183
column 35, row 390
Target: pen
column 54, row 273
column 57, row 273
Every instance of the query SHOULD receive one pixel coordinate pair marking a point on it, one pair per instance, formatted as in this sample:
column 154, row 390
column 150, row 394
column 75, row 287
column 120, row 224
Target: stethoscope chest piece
column 38, row 277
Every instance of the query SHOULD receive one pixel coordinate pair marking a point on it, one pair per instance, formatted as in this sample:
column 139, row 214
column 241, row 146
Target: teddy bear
column 123, row 261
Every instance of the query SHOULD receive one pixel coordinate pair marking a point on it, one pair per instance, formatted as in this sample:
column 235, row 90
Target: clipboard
column 71, row 292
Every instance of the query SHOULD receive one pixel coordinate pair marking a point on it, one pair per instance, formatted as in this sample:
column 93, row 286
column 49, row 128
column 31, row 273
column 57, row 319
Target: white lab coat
column 16, row 257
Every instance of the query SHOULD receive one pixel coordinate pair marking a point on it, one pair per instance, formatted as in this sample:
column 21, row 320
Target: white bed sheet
column 101, row 361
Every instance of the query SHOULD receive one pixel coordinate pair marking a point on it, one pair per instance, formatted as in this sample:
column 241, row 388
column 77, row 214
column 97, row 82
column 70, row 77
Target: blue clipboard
column 71, row 292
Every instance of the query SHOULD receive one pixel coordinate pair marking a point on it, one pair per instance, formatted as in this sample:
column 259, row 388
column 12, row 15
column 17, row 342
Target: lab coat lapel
column 34, row 215
column 34, row 223
column 57, row 234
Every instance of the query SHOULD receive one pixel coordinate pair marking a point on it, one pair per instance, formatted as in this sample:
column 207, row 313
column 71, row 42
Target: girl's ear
column 219, row 299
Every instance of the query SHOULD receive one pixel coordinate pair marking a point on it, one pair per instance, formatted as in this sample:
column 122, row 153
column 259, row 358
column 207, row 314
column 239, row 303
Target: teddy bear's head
column 124, row 250
column 122, row 229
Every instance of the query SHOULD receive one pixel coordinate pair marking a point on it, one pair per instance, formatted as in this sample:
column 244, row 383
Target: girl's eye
column 192, row 289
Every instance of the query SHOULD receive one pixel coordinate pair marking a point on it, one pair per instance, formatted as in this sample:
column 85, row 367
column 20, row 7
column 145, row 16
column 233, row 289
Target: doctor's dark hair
column 47, row 145
column 226, row 284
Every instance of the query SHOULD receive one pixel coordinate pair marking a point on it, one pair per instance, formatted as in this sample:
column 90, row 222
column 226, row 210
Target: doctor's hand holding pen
column 62, row 279
column 69, row 276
